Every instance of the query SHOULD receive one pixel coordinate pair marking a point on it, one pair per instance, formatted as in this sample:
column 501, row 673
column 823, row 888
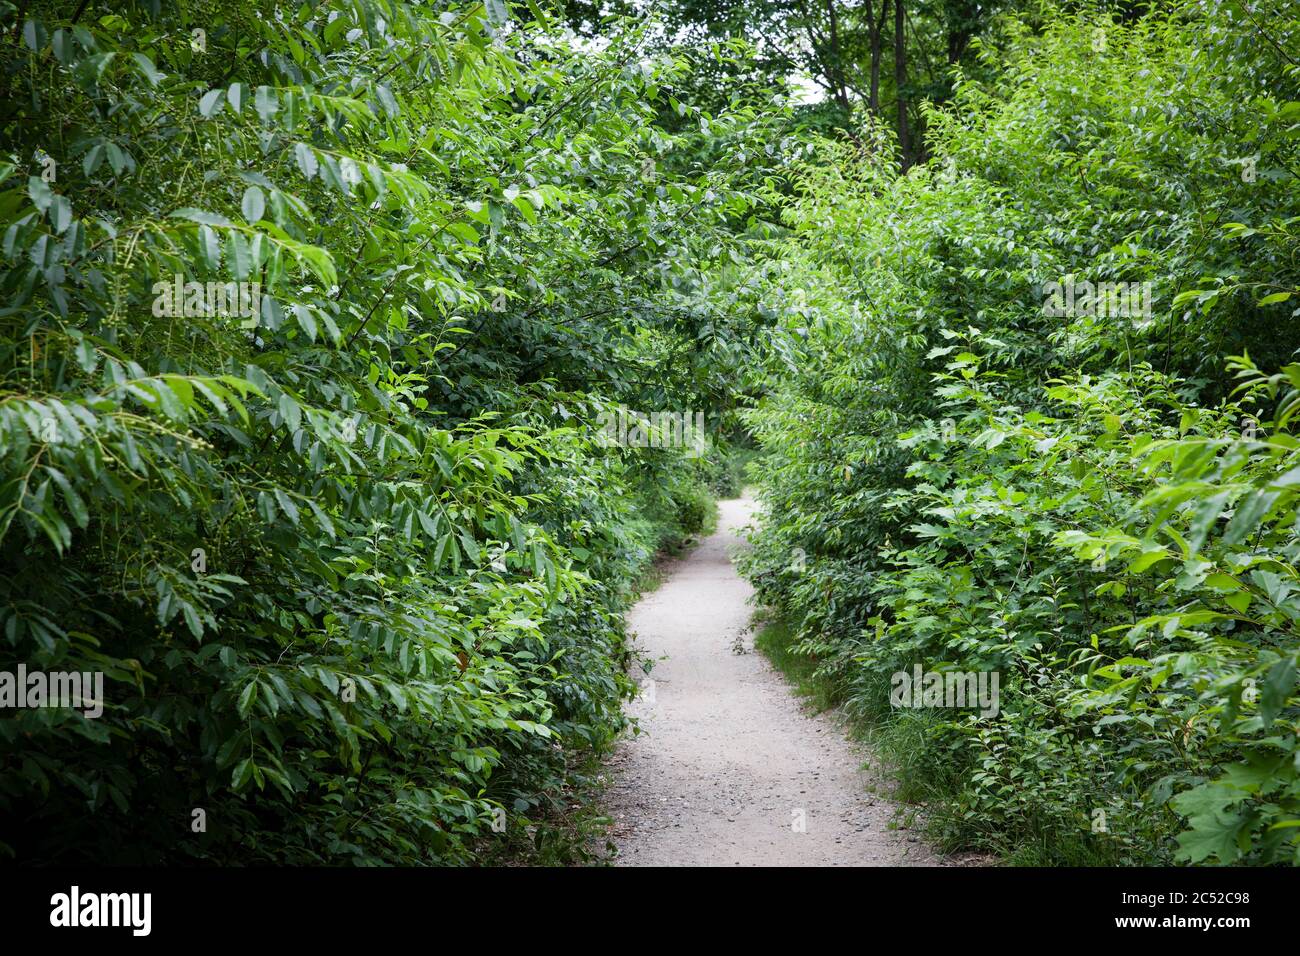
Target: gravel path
column 728, row 769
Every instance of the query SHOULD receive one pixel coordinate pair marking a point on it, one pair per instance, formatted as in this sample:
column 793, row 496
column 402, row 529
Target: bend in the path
column 729, row 769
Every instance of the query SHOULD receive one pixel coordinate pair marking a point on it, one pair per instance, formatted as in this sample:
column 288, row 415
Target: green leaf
column 248, row 698
column 266, row 104
column 39, row 191
column 1214, row 825
column 192, row 620
column 286, row 505
column 1249, row 513
column 202, row 216
column 1275, row 691
column 90, row 71
column 147, row 68
column 306, row 159
column 210, row 102
column 243, row 774
column 1274, row 298
column 253, row 204
column 1239, row 601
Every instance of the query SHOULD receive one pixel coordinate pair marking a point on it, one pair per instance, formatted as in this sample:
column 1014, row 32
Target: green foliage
column 353, row 561
column 312, row 313
column 1100, row 508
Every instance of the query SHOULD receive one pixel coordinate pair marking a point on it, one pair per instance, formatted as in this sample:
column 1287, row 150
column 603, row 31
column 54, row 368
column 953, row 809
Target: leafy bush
column 1093, row 506
column 353, row 561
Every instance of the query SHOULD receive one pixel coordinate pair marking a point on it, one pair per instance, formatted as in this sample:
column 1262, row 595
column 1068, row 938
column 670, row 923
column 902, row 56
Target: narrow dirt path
column 729, row 770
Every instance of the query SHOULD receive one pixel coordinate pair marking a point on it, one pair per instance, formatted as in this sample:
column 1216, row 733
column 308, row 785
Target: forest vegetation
column 314, row 314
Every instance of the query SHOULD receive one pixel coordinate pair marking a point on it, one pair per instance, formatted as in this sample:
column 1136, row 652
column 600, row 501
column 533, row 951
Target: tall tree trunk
column 962, row 19
column 958, row 40
column 837, row 65
column 900, row 80
column 876, row 27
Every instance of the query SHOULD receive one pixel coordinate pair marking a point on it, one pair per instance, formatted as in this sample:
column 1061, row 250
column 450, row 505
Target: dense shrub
column 353, row 563
column 957, row 478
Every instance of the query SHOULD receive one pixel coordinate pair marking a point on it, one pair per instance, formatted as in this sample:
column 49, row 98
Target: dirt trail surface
column 728, row 764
